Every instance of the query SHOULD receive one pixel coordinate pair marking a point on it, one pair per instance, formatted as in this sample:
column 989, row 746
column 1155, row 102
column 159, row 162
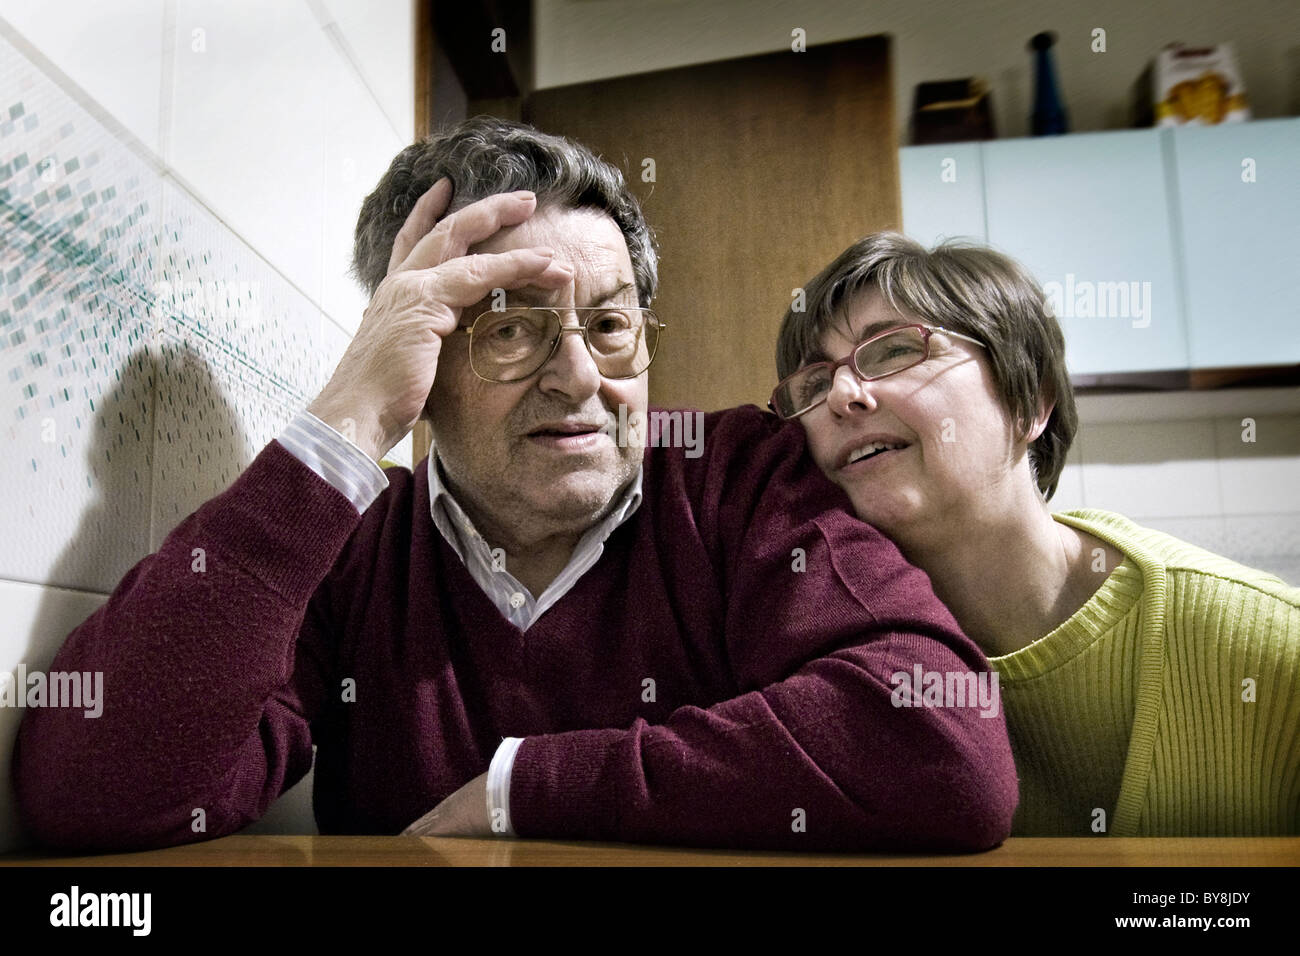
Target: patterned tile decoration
column 78, row 252
column 239, row 353
column 146, row 352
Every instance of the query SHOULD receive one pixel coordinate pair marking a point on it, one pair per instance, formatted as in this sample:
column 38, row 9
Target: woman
column 1150, row 687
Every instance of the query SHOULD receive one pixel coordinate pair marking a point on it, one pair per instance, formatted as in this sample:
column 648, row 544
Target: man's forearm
column 823, row 760
column 355, row 424
column 816, row 754
column 334, row 457
column 198, row 731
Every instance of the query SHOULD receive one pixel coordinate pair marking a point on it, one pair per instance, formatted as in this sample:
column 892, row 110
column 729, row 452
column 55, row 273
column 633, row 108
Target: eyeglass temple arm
column 958, row 335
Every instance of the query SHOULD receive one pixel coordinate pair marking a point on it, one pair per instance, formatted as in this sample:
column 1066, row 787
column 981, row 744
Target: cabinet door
column 1088, row 214
column 1239, row 199
column 943, row 192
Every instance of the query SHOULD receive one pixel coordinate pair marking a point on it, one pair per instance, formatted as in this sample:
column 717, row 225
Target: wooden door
column 764, row 169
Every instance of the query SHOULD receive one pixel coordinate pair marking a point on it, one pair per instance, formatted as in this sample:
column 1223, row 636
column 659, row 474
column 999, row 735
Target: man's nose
column 850, row 393
column 572, row 369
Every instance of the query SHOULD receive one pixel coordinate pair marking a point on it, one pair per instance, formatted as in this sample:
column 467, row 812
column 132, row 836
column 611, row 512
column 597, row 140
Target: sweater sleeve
column 334, row 458
column 817, row 751
column 215, row 655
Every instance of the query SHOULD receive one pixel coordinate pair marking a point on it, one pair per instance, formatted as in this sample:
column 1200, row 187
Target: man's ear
column 1046, row 405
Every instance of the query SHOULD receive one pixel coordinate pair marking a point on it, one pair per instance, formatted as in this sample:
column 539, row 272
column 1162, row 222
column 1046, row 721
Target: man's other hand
column 464, row 813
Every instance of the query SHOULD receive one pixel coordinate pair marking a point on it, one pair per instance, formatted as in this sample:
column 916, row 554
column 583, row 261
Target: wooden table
column 442, row 851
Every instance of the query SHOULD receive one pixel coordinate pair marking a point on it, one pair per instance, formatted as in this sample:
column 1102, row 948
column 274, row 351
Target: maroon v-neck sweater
column 720, row 677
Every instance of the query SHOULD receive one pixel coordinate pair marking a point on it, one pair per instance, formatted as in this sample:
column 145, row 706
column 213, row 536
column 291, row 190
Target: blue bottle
column 1048, row 118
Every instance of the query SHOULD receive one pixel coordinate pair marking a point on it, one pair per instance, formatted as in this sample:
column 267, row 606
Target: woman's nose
column 850, row 393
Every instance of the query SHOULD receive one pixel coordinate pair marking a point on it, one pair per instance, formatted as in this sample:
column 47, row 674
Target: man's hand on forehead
column 420, row 221
column 382, row 383
column 427, row 239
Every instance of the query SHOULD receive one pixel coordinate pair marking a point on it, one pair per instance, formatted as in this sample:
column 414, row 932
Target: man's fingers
column 420, row 222
column 454, row 235
column 422, row 825
column 467, row 280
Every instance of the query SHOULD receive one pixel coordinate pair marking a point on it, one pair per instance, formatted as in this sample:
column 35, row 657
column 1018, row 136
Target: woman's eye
column 814, row 387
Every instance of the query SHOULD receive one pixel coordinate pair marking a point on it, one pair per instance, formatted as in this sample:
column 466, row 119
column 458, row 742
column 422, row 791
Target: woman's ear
column 1046, row 405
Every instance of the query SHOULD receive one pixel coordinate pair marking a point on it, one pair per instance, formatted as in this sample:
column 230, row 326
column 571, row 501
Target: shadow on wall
column 198, row 440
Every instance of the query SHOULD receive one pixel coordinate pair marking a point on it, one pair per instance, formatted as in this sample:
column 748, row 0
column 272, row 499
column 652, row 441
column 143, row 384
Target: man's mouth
column 564, row 430
column 872, row 449
column 569, row 437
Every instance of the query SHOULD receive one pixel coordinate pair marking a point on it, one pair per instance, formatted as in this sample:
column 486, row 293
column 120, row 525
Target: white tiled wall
column 240, row 139
column 114, row 51
column 1197, row 477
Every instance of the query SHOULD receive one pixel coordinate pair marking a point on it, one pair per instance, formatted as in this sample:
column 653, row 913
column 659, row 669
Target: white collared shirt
column 515, row 602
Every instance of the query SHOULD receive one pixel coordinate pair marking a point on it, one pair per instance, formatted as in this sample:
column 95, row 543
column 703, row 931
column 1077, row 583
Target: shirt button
column 516, row 600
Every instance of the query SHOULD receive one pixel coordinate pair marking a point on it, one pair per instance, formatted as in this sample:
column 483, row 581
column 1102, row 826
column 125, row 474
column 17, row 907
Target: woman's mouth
column 872, row 451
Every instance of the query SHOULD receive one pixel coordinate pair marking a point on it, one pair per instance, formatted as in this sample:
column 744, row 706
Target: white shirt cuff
column 498, row 786
column 334, row 458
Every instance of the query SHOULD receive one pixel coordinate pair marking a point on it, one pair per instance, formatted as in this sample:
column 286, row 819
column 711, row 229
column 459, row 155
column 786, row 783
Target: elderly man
column 549, row 629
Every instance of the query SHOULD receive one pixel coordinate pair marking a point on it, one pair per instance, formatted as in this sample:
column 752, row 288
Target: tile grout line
column 99, row 114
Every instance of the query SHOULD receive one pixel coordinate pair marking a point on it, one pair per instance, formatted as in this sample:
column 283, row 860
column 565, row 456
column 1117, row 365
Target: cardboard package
column 1197, row 86
column 952, row 111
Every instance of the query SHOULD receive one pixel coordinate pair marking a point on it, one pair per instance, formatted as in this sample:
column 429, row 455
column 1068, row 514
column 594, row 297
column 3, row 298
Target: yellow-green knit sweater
column 1170, row 701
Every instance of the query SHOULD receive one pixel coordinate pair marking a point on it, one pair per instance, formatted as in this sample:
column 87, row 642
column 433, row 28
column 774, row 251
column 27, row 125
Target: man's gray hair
column 484, row 156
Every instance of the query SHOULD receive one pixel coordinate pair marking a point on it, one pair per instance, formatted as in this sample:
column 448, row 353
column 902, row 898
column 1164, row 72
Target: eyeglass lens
column 874, row 359
column 514, row 343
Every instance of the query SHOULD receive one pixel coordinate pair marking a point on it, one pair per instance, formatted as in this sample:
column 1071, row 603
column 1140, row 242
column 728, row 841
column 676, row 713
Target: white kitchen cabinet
column 1238, row 199
column 1089, row 215
column 943, row 192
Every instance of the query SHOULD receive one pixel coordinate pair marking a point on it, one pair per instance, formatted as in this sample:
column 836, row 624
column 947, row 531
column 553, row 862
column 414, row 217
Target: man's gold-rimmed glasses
column 512, row 344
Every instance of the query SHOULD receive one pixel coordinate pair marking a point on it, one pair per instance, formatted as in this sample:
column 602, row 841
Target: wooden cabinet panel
column 765, row 168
